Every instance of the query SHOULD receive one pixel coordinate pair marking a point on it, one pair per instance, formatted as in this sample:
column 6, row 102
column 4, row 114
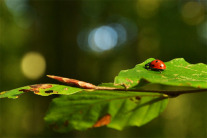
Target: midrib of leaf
column 93, row 103
column 103, row 106
column 144, row 114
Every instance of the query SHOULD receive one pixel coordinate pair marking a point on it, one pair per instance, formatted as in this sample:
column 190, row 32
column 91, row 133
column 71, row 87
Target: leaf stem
column 86, row 85
column 168, row 92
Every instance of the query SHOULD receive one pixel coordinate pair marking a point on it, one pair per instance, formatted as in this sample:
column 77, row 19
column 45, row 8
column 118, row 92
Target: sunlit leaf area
column 93, row 40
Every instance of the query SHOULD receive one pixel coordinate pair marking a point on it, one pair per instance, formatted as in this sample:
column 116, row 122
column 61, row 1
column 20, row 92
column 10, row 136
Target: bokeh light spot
column 23, row 13
column 102, row 38
column 148, row 8
column 16, row 6
column 33, row 65
column 202, row 32
column 121, row 32
column 107, row 37
column 193, row 13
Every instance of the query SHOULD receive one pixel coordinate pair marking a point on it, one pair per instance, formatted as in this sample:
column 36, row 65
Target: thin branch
column 86, row 85
column 168, row 92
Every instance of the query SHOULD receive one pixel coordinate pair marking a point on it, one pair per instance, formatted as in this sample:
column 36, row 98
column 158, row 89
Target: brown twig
column 90, row 86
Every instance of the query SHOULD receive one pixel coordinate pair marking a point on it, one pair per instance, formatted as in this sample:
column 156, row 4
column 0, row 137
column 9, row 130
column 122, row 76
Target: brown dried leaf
column 73, row 82
column 105, row 120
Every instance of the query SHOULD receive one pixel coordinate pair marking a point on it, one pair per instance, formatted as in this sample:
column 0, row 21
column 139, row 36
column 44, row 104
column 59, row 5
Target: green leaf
column 40, row 89
column 111, row 104
column 117, row 110
column 178, row 73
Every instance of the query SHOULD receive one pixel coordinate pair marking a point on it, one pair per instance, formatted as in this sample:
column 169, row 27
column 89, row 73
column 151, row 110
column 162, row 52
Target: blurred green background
column 92, row 40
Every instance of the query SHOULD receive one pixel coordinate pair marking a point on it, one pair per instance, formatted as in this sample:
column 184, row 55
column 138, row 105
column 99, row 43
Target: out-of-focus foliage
column 65, row 37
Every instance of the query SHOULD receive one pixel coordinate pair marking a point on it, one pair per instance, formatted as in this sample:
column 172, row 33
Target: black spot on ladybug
column 153, row 65
column 156, row 61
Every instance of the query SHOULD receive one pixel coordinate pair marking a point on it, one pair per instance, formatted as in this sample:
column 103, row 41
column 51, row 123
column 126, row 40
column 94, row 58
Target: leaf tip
column 50, row 76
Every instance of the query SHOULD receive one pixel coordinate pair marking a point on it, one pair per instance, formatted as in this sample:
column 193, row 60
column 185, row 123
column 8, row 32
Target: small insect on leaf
column 156, row 65
column 177, row 72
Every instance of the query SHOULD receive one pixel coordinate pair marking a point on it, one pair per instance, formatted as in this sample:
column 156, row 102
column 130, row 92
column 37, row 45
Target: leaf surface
column 117, row 110
column 178, row 73
column 40, row 89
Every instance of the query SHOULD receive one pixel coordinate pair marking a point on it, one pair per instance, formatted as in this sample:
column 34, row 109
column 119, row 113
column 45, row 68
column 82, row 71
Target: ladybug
column 156, row 65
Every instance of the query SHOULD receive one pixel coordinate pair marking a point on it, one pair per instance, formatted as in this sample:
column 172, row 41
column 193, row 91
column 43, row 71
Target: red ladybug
column 156, row 65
